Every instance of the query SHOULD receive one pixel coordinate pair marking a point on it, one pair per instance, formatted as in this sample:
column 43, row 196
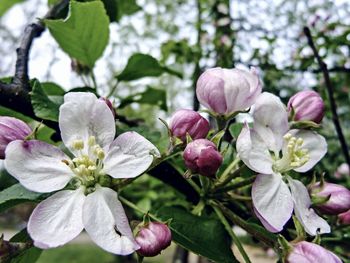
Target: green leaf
column 7, row 4
column 29, row 255
column 150, row 96
column 126, row 7
column 17, row 194
column 43, row 106
column 235, row 129
column 84, row 34
column 204, row 236
column 142, row 65
column 52, row 89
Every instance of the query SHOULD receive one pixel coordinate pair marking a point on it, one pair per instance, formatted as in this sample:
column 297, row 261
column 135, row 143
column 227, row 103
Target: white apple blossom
column 271, row 149
column 87, row 128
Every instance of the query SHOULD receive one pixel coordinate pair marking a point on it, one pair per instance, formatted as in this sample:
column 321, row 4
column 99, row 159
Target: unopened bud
column 110, row 105
column 153, row 238
column 190, row 122
column 11, row 129
column 339, row 198
column 310, row 252
column 306, row 106
column 201, row 156
column 344, row 218
column 225, row 91
column 343, row 171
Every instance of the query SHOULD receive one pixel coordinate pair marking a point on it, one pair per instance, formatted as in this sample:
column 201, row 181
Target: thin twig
column 330, row 90
column 15, row 95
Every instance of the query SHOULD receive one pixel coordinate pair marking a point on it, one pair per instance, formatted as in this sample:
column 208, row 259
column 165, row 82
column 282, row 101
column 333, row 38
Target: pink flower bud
column 344, row 218
column 188, row 121
column 342, row 171
column 11, row 129
column 109, row 104
column 153, row 238
column 201, row 156
column 306, row 252
column 225, row 91
column 339, row 200
column 307, row 106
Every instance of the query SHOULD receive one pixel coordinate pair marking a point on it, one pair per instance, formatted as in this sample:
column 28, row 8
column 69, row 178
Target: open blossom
column 225, row 91
column 307, row 106
column 11, row 129
column 271, row 149
column 306, row 252
column 201, row 156
column 87, row 130
column 339, row 198
column 153, row 238
column 189, row 122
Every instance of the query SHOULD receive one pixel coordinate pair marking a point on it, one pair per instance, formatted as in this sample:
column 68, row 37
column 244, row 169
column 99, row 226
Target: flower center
column 295, row 155
column 88, row 166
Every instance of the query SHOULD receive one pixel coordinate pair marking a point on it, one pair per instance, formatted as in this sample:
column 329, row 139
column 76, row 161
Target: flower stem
column 136, row 208
column 237, row 185
column 113, row 89
column 258, row 232
column 92, row 75
column 232, row 234
column 228, row 175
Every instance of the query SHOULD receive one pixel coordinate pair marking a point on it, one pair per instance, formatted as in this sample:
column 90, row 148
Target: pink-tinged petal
column 129, row 155
column 265, row 223
column 106, row 223
column 11, row 129
column 210, row 90
column 315, row 144
column 58, row 219
column 37, row 165
column 83, row 115
column 241, row 89
column 270, row 120
column 311, row 222
column 272, row 201
column 253, row 151
column 306, row 252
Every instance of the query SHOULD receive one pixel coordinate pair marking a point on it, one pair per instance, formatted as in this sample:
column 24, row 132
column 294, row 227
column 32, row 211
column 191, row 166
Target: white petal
column 270, row 120
column 129, row 156
column 316, row 145
column 83, row 115
column 58, row 219
column 253, row 151
column 38, row 165
column 272, row 200
column 306, row 215
column 106, row 223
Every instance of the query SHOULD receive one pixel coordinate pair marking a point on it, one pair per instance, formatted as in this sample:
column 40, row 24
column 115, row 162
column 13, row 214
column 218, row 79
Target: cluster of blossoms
column 80, row 178
column 270, row 147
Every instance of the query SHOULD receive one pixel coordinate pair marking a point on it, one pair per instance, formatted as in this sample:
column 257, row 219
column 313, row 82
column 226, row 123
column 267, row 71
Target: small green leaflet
column 142, row 65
